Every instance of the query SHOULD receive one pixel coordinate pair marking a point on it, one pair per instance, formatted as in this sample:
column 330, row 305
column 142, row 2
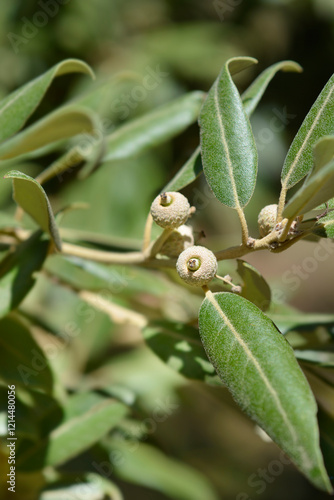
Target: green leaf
column 149, row 467
column 17, row 269
column 255, row 287
column 258, row 366
column 324, row 227
column 188, row 173
column 179, row 346
column 16, row 108
column 326, row 422
column 73, row 437
column 323, row 152
column 252, row 95
column 153, row 128
column 317, row 189
column 83, row 273
column 319, row 358
column 228, row 147
column 30, row 195
column 22, row 362
column 62, row 124
column 95, row 487
column 318, row 122
column 288, row 318
column 250, row 99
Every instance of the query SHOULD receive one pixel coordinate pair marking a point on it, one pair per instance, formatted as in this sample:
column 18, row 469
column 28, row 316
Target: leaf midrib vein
column 301, row 149
column 225, row 145
column 252, row 358
column 18, row 95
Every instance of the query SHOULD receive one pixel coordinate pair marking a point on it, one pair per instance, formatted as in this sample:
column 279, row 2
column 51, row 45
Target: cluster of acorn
column 196, row 265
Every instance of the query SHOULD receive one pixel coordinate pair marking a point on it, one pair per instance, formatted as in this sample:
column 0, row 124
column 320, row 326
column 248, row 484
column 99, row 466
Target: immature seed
column 170, row 210
column 193, row 264
column 267, row 219
column 165, row 199
column 180, row 239
column 197, row 265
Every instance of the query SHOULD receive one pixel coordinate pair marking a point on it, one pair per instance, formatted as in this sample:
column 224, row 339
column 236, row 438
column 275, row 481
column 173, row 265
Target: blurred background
column 182, row 46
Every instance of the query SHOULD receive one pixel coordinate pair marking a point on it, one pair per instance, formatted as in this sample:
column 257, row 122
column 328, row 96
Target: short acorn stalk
column 147, row 232
column 154, row 249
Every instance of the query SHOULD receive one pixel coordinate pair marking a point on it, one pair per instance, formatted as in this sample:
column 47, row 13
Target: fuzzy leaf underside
column 318, row 123
column 258, row 366
column 16, row 108
column 30, row 195
column 228, row 148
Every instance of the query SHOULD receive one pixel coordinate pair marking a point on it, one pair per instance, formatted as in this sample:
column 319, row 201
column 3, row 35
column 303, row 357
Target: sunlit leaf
column 16, row 108
column 323, row 152
column 317, row 189
column 61, row 124
column 318, row 122
column 228, row 147
column 257, row 364
column 30, row 195
column 250, row 99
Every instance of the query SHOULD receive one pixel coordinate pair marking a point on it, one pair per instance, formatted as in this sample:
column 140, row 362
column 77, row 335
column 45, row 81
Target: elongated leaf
column 252, row 95
column 154, row 128
column 325, row 226
column 22, row 362
column 96, row 487
column 228, row 148
column 255, row 287
column 17, row 269
column 180, row 347
column 323, row 152
column 149, row 467
column 317, row 189
column 32, row 198
column 319, row 358
column 73, row 437
column 188, row 173
column 258, row 366
column 16, row 108
column 318, row 122
column 59, row 125
column 250, row 99
column 288, row 318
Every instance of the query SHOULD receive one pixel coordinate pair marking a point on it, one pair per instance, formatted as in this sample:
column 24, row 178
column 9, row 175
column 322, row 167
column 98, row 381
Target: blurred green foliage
column 184, row 43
